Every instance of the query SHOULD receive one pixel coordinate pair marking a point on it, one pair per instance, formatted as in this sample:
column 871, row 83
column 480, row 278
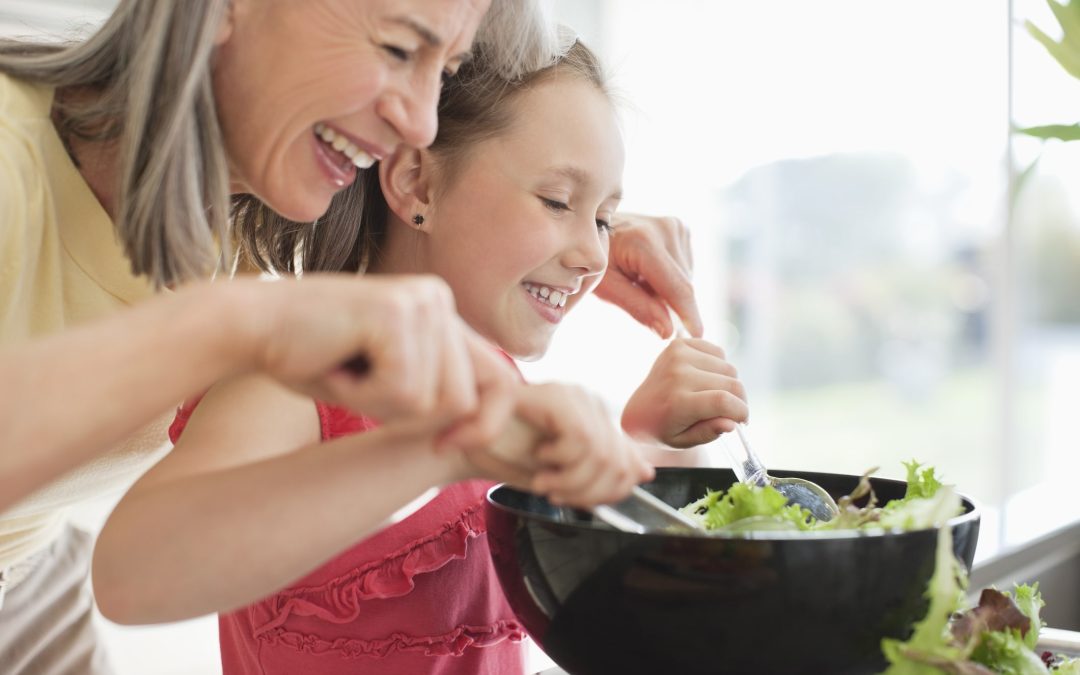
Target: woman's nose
column 414, row 113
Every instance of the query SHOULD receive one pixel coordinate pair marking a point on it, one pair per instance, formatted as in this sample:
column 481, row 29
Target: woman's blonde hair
column 148, row 69
column 475, row 105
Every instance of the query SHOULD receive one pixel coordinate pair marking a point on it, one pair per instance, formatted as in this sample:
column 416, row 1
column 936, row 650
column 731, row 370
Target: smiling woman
column 118, row 156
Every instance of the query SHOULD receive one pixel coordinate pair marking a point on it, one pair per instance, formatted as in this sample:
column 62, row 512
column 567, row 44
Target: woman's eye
column 554, row 204
column 603, row 226
column 397, row 52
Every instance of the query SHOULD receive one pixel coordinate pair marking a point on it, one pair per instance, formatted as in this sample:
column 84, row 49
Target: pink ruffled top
column 420, row 596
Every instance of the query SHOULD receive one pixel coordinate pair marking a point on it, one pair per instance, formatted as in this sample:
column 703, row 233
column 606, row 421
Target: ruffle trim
column 453, row 643
column 338, row 600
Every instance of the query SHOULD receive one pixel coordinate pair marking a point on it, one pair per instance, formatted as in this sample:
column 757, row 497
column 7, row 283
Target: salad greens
column 926, row 504
column 999, row 635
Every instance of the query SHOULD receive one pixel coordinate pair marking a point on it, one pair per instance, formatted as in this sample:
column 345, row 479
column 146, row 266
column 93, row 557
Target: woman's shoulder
column 24, row 119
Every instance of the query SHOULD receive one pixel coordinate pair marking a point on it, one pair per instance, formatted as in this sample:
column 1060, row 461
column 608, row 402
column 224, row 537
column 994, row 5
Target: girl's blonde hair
column 148, row 73
column 474, row 106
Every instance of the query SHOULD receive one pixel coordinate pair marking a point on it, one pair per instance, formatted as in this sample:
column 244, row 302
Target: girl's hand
column 570, row 450
column 691, row 396
column 417, row 358
column 649, row 267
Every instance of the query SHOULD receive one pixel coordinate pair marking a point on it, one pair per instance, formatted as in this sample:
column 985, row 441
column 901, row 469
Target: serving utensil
column 749, row 469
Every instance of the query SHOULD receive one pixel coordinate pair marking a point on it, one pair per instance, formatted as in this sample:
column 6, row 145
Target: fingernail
column 658, row 328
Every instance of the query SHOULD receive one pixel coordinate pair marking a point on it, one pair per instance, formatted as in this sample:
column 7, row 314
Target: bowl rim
column 973, row 514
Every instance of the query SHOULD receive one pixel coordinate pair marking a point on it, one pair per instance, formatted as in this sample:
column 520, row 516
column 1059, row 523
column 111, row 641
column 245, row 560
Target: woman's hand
column 562, row 444
column 691, row 396
column 418, row 358
column 649, row 269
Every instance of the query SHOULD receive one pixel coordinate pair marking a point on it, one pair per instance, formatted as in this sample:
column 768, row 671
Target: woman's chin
column 301, row 211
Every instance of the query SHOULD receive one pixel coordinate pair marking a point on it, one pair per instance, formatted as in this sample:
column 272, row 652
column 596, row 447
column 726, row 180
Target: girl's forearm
column 211, row 543
column 69, row 397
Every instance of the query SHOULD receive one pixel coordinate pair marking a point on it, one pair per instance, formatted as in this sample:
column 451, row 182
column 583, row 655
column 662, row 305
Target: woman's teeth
column 359, row 158
column 545, row 294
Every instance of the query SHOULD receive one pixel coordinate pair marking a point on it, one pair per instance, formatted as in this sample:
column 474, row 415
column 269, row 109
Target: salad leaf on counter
column 998, row 636
column 928, row 647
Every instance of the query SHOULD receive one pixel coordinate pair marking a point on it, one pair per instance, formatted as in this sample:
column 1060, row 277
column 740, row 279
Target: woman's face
column 309, row 90
column 520, row 233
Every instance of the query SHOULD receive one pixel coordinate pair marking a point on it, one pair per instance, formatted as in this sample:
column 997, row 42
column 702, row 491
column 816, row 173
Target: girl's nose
column 589, row 250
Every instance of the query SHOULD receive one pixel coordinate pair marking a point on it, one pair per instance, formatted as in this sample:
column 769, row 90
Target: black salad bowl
column 601, row 602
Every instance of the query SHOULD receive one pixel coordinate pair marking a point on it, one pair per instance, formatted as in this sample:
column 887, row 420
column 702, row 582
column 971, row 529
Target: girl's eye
column 604, row 226
column 396, row 52
column 554, row 204
column 447, row 76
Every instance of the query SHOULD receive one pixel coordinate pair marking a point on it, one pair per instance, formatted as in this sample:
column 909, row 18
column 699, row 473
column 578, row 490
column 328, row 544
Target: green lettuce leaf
column 1007, row 653
column 930, row 644
column 768, row 508
column 1028, row 599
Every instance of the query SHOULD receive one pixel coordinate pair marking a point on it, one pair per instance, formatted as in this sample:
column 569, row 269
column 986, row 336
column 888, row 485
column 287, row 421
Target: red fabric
column 420, row 596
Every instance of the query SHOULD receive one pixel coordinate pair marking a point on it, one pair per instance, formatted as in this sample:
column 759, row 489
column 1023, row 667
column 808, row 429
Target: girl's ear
column 405, row 177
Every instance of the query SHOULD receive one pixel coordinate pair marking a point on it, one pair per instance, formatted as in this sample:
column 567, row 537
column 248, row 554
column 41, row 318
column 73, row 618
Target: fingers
column 654, row 253
column 697, row 354
column 635, row 300
column 459, row 358
column 711, row 403
column 585, row 459
column 671, row 284
column 705, row 431
column 421, row 358
column 497, row 383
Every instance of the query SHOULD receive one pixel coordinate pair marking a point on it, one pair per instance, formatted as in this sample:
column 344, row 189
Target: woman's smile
column 339, row 155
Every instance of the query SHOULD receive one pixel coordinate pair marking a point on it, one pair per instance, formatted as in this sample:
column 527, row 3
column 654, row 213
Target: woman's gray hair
column 148, row 69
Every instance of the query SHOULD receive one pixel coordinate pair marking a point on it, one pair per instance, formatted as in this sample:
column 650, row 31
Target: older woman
column 124, row 162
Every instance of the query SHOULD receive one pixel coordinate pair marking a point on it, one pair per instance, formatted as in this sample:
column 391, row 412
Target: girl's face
column 303, row 85
column 521, row 231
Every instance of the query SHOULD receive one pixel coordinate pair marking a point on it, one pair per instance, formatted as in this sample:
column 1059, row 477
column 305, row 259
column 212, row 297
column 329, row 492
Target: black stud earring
column 418, row 219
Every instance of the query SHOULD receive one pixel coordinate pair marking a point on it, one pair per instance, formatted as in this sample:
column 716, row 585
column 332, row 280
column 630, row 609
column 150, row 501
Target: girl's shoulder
column 250, row 412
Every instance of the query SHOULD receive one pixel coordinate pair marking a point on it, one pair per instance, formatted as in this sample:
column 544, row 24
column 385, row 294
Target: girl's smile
column 549, row 301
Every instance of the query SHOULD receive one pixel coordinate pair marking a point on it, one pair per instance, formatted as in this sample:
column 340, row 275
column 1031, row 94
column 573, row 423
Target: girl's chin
column 527, row 351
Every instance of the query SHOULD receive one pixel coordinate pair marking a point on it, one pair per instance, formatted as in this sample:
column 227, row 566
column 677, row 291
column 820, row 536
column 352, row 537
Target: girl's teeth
column 358, row 157
column 553, row 298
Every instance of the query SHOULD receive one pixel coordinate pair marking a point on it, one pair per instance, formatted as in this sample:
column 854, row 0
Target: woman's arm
column 71, row 396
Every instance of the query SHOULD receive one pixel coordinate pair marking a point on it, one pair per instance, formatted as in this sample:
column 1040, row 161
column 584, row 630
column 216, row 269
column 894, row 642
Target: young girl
column 510, row 207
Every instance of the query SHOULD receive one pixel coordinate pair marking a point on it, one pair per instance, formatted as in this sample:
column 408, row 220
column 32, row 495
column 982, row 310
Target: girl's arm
column 237, row 511
column 69, row 397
